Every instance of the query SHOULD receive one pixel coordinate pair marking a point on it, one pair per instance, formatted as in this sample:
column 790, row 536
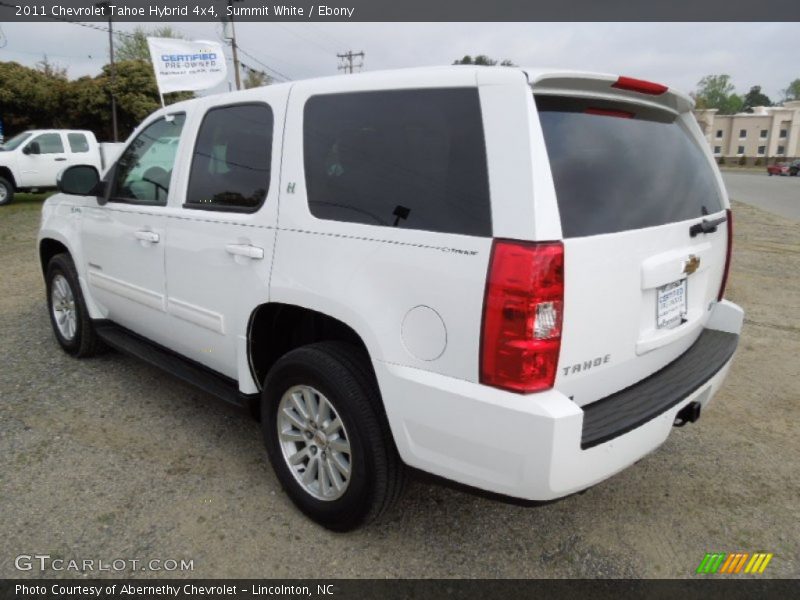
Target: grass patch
column 24, row 202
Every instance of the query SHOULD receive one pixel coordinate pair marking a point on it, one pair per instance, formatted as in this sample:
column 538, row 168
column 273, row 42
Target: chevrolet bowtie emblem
column 691, row 265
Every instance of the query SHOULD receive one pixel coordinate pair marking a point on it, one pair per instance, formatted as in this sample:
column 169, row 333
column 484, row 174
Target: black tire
column 6, row 191
column 84, row 342
column 341, row 373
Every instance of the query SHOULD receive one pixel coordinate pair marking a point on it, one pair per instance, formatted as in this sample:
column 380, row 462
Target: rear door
column 631, row 179
column 222, row 231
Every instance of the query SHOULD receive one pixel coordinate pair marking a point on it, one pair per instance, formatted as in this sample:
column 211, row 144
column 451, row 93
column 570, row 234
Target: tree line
column 44, row 97
column 718, row 91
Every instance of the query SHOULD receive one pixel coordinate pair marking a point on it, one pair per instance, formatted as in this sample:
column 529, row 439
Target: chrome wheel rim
column 3, row 192
column 314, row 442
column 63, row 305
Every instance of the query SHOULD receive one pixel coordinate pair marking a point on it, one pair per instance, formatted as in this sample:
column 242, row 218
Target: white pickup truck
column 33, row 159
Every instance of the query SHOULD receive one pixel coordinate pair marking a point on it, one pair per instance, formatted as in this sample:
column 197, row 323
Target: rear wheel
column 6, row 191
column 68, row 315
column 327, row 437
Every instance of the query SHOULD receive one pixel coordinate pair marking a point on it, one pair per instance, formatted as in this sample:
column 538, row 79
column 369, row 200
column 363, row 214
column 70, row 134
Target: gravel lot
column 108, row 458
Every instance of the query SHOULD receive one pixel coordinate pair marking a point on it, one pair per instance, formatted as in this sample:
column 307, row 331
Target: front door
column 124, row 239
column 41, row 160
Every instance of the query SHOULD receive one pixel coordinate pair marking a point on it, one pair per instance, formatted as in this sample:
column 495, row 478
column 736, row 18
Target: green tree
column 29, row 98
column 483, row 60
column 755, row 98
column 134, row 46
column 717, row 91
column 256, row 79
column 793, row 91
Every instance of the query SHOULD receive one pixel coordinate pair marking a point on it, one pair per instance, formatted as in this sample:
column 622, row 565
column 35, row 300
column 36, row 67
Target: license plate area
column 671, row 304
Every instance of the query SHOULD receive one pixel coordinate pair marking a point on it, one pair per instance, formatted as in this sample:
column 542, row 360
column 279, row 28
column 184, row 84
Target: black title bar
column 402, row 10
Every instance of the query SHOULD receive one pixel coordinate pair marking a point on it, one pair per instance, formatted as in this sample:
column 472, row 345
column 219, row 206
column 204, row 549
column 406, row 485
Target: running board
column 189, row 371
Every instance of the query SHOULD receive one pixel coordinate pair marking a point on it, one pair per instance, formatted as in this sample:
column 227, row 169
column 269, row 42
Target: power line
column 266, row 66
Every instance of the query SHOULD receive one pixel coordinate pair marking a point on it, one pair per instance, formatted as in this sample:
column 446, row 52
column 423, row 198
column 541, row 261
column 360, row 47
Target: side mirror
column 79, row 180
column 32, row 148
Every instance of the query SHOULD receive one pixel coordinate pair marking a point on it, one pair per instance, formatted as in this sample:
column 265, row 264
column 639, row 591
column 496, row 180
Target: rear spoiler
column 609, row 87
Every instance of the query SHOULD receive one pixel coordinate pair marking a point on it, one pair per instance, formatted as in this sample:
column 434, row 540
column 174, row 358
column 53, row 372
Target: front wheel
column 6, row 191
column 327, row 437
column 68, row 315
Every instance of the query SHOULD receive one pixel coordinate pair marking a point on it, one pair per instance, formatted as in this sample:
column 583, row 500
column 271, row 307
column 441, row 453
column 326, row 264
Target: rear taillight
column 639, row 85
column 728, row 252
column 522, row 315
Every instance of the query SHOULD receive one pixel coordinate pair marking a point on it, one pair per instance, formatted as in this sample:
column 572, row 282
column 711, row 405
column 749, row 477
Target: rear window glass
column 77, row 142
column 413, row 159
column 618, row 166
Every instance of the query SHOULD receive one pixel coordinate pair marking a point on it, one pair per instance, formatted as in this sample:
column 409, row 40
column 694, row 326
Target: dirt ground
column 107, row 458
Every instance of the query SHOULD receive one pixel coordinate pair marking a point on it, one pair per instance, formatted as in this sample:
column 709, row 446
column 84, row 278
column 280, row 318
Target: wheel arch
column 276, row 328
column 6, row 173
column 48, row 248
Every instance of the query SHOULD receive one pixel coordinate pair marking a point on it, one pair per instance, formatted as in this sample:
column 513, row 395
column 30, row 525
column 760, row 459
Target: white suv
column 509, row 278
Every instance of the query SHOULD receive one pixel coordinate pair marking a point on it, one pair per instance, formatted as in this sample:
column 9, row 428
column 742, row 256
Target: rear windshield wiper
column 706, row 226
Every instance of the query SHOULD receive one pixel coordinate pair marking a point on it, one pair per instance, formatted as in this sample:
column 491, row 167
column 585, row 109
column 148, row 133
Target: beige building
column 767, row 132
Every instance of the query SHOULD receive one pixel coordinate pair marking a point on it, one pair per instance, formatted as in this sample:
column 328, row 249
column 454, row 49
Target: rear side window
column 618, row 167
column 77, row 142
column 414, row 159
column 231, row 161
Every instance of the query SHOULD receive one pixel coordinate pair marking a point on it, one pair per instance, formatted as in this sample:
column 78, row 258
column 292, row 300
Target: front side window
column 49, row 143
column 413, row 159
column 77, row 142
column 143, row 171
column 231, row 164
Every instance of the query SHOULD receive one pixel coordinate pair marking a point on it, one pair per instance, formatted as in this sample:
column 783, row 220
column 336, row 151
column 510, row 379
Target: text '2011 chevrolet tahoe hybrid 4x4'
column 508, row 278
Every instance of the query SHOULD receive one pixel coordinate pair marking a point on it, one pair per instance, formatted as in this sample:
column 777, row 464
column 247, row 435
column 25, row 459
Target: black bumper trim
column 626, row 410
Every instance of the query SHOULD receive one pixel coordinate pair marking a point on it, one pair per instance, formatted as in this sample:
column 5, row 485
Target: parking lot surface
column 779, row 195
column 108, row 458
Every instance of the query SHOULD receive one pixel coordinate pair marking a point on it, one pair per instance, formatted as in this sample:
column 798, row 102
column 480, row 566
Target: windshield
column 619, row 166
column 15, row 141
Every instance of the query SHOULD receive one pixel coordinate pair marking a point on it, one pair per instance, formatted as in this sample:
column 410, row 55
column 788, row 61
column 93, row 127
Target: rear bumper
column 534, row 447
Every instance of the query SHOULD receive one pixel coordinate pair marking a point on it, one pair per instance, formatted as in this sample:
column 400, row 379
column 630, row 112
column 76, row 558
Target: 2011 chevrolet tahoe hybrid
column 510, row 278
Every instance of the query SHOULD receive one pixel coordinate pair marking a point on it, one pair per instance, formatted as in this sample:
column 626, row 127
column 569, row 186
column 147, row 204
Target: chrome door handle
column 245, row 250
column 147, row 236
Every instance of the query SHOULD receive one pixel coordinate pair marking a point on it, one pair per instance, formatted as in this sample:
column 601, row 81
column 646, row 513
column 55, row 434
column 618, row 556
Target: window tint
column 49, row 143
column 143, row 171
column 232, row 158
column 614, row 174
column 77, row 142
column 406, row 158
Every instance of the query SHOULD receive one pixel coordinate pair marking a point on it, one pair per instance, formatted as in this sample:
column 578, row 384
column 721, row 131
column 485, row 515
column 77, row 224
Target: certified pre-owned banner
column 181, row 65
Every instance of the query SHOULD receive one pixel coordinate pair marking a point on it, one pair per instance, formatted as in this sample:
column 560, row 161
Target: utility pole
column 233, row 48
column 348, row 57
column 105, row 7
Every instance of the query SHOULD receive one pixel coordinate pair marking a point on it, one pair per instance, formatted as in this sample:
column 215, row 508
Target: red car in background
column 778, row 169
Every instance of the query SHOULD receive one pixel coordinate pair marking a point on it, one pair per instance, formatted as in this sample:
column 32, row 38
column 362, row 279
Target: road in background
column 779, row 195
